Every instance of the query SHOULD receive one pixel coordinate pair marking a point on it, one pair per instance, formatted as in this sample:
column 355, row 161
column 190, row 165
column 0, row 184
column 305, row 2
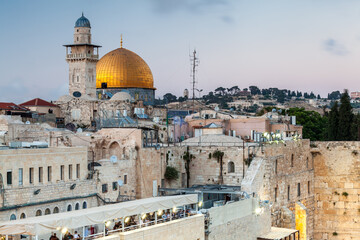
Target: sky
column 298, row 45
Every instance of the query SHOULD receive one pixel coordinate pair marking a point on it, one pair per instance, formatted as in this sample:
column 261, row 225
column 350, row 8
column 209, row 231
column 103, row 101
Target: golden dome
column 122, row 68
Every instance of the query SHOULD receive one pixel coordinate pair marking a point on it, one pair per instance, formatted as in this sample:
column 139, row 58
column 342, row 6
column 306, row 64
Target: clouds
column 193, row 6
column 334, row 47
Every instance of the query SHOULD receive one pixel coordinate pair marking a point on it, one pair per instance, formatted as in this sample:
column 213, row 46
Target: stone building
column 35, row 182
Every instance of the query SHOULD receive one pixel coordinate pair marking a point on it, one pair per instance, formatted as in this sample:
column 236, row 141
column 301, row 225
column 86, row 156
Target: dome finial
column 121, row 41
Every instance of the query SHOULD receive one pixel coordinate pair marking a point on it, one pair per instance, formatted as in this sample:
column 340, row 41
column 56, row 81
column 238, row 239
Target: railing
column 81, row 56
column 138, row 225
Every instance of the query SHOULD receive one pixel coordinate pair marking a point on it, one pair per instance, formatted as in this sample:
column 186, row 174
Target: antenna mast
column 194, row 63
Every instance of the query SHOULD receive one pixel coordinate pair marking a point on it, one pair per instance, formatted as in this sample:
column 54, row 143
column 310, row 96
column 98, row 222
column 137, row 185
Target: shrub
column 171, row 173
column 345, row 194
column 335, row 233
column 355, row 153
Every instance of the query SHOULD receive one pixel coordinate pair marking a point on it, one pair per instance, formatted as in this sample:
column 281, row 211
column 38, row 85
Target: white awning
column 91, row 216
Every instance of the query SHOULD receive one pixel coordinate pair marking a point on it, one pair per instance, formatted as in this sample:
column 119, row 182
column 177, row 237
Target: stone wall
column 284, row 175
column 337, row 188
column 238, row 221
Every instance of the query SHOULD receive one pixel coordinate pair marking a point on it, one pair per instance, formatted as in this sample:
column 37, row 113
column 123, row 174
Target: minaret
column 82, row 60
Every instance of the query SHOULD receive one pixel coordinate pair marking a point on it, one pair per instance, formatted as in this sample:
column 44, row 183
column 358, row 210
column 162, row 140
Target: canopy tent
column 91, row 216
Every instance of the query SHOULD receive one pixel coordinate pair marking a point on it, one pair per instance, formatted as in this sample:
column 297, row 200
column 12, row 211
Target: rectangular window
column 275, row 194
column 62, row 167
column 77, row 171
column 70, row 171
column 40, row 174
column 9, row 177
column 288, row 192
column 31, row 175
column 125, row 179
column 276, row 166
column 298, row 190
column 104, row 188
column 49, row 173
column 115, row 186
column 20, row 176
column 308, row 187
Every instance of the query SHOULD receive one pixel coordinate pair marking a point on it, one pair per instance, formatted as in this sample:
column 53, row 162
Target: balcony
column 79, row 56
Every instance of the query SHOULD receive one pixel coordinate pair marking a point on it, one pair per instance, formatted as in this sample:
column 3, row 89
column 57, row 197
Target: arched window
column 77, row 206
column 38, row 213
column 56, row 210
column 84, row 205
column 12, row 217
column 47, row 211
column 231, row 167
column 114, row 149
column 22, row 216
column 69, row 208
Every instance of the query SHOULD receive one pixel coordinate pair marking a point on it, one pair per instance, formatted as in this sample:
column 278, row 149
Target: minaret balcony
column 79, row 56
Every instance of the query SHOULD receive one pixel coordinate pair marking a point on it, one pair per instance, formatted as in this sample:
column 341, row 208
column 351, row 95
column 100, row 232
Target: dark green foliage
column 171, row 173
column 333, row 123
column 345, row 118
column 219, row 156
column 314, row 125
column 187, row 158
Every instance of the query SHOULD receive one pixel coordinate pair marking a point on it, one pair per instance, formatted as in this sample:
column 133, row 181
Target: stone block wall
column 337, row 188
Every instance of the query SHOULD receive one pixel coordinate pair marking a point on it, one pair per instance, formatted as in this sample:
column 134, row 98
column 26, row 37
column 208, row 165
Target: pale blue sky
column 298, row 45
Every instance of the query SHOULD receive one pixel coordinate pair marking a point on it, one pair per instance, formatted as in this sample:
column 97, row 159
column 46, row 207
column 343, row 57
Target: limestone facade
column 337, row 188
column 44, row 181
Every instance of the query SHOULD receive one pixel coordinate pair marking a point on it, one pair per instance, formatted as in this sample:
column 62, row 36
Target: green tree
column 314, row 125
column 171, row 173
column 345, row 118
column 188, row 157
column 219, row 156
column 333, row 124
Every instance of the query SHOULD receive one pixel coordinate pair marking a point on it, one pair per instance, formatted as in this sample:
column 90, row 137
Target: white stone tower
column 82, row 60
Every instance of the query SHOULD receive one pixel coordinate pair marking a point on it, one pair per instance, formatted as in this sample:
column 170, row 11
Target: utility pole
column 194, row 63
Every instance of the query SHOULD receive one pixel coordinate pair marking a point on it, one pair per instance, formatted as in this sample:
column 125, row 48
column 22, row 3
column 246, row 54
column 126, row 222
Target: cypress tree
column 333, row 123
column 345, row 118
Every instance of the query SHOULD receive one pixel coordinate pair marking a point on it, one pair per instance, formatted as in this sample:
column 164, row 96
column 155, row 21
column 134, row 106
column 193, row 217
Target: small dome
column 121, row 96
column 82, row 22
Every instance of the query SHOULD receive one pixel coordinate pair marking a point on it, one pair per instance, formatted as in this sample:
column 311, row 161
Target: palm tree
column 187, row 158
column 219, row 155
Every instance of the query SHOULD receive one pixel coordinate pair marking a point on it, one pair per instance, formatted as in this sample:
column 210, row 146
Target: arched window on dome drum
column 47, row 211
column 69, row 208
column 12, row 217
column 77, row 206
column 231, row 167
column 56, row 210
column 38, row 213
column 84, row 205
column 22, row 216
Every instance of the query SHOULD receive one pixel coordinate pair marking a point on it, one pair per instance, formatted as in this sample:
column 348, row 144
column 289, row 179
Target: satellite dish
column 71, row 127
column 27, row 122
column 120, row 182
column 113, row 159
column 77, row 94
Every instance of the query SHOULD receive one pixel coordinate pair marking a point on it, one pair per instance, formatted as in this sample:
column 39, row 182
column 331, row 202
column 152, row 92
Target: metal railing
column 81, row 56
column 140, row 225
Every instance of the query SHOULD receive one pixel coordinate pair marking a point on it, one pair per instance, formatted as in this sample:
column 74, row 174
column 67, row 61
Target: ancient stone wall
column 337, row 188
column 289, row 180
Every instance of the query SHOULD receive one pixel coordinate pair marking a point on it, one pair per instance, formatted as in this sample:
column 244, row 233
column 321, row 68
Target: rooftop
column 38, row 102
